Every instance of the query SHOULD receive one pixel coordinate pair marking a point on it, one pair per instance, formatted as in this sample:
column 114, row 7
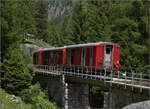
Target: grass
column 6, row 102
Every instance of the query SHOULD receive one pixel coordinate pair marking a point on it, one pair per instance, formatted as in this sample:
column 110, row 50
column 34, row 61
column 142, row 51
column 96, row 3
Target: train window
column 68, row 56
column 37, row 58
column 60, row 56
column 83, row 56
column 107, row 50
column 52, row 55
column 72, row 56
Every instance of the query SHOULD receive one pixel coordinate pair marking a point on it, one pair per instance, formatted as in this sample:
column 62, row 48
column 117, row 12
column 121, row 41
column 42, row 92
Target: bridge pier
column 76, row 95
column 119, row 97
column 73, row 92
column 68, row 95
column 106, row 100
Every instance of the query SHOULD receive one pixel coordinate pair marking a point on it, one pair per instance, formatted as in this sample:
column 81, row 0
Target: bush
column 8, row 103
column 35, row 96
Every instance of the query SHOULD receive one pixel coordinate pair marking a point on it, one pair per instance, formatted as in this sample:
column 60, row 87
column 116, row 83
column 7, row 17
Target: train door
column 108, row 56
column 83, row 56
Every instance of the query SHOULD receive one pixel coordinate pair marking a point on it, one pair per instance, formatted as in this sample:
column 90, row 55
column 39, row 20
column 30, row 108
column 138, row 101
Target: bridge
column 72, row 85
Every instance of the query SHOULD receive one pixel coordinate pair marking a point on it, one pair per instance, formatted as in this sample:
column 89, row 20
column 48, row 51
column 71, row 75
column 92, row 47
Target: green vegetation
column 122, row 22
column 32, row 98
column 17, row 72
column 7, row 102
column 18, row 22
column 35, row 96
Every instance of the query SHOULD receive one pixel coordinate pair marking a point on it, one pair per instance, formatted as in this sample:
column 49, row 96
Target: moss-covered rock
column 12, row 102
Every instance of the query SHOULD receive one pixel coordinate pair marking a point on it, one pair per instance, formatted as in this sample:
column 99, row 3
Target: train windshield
column 108, row 56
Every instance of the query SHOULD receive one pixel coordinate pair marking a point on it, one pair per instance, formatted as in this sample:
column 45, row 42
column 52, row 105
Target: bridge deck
column 112, row 79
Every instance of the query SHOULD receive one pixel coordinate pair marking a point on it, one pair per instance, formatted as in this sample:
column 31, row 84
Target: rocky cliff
column 140, row 105
column 59, row 8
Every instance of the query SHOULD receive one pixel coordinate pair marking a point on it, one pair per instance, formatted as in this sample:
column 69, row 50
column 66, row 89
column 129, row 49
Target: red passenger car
column 50, row 56
column 99, row 56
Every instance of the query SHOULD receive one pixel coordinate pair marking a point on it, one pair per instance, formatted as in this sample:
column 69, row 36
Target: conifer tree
column 99, row 21
column 16, row 74
column 42, row 19
column 16, row 23
column 53, row 37
column 79, row 23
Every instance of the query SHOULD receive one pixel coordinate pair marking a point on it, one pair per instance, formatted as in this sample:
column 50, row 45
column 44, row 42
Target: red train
column 100, row 55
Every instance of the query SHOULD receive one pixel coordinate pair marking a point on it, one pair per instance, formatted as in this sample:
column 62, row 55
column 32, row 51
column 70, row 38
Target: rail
column 134, row 78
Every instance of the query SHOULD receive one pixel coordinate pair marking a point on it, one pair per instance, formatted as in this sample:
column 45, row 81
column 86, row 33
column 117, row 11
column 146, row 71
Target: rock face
column 29, row 48
column 140, row 105
column 58, row 8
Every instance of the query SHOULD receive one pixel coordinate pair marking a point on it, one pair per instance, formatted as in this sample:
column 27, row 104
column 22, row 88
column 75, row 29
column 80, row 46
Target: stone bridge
column 69, row 88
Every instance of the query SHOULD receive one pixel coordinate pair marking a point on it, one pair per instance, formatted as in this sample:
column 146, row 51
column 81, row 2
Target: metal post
column 101, row 74
column 125, row 79
column 78, row 70
column 82, row 71
column 95, row 73
column 91, row 71
column 57, row 69
column 149, row 83
column 111, row 79
column 74, row 71
column 132, row 81
column 118, row 77
column 87, row 72
column 141, row 82
column 71, row 70
column 53, row 68
column 67, row 70
column 105, row 76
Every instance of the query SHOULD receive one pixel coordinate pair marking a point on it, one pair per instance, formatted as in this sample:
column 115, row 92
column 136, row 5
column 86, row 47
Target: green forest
column 125, row 22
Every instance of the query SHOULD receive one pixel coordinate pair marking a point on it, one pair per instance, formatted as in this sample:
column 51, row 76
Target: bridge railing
column 127, row 77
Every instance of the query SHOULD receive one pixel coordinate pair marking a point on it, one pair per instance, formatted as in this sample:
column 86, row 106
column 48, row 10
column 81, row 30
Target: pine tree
column 42, row 19
column 99, row 21
column 53, row 37
column 16, row 74
column 79, row 23
column 17, row 22
column 127, row 34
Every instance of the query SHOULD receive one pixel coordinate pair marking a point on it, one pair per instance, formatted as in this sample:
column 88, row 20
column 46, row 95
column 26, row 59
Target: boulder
column 140, row 105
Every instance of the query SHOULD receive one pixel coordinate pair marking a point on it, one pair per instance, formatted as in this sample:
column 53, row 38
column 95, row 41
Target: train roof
column 73, row 46
column 50, row 49
column 88, row 44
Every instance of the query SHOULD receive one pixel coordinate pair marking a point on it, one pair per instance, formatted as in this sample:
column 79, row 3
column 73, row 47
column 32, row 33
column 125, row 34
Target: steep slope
column 57, row 9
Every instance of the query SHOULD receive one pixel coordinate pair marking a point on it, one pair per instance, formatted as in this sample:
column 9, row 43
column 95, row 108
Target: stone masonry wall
column 78, row 96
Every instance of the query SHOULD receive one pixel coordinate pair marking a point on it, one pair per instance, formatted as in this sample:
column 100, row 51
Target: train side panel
column 99, row 56
column 64, row 57
column 94, row 56
column 116, row 57
column 40, row 57
column 77, row 56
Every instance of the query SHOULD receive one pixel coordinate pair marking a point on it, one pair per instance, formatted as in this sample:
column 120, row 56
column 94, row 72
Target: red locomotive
column 100, row 56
